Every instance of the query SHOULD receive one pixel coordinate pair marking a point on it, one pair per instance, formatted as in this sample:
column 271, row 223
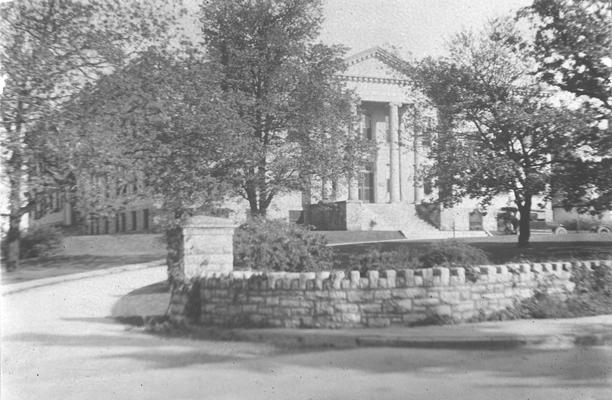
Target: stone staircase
column 404, row 218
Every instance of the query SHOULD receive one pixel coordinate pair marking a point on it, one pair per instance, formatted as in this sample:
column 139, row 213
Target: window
column 116, row 223
column 145, row 219
column 56, row 201
column 134, row 221
column 123, row 222
column 366, row 126
column 106, row 226
column 366, row 184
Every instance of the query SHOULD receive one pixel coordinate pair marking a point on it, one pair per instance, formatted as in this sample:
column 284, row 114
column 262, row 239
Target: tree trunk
column 175, row 255
column 306, row 198
column 14, row 232
column 524, row 230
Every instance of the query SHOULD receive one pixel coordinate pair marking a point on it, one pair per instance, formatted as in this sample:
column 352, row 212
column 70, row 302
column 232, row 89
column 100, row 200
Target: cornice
column 372, row 79
column 378, row 52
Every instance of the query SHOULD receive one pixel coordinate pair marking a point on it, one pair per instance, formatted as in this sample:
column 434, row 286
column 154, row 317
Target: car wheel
column 604, row 230
column 560, row 231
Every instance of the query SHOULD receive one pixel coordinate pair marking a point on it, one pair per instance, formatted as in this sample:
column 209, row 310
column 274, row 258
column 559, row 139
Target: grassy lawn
column 504, row 249
column 37, row 268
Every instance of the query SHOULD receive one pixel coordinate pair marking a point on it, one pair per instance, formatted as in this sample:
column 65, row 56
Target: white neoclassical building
column 389, row 194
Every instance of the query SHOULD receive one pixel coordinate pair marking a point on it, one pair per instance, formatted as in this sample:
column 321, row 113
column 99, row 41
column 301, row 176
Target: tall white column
column 394, row 152
column 353, row 176
column 418, row 188
column 353, row 187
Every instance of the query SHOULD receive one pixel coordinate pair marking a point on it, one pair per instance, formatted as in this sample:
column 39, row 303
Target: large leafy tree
column 572, row 46
column 164, row 125
column 50, row 50
column 498, row 130
column 294, row 110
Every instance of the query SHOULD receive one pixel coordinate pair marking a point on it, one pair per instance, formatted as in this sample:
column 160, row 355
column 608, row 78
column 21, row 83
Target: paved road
column 58, row 343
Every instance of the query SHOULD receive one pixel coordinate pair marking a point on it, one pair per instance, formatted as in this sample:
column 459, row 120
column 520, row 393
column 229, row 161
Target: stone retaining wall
column 333, row 300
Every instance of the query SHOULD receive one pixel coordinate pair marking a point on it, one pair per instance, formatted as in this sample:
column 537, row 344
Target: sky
column 417, row 27
column 413, row 27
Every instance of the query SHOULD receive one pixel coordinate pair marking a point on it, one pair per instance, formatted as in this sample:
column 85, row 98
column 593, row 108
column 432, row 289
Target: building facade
column 390, row 193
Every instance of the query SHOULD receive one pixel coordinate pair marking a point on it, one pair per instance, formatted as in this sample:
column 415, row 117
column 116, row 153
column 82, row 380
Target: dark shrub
column 40, row 241
column 447, row 253
column 592, row 295
column 452, row 253
column 378, row 260
column 280, row 246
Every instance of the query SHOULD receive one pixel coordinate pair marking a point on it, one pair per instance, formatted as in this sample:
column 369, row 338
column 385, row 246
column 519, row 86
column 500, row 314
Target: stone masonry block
column 337, row 294
column 364, row 283
column 347, row 308
column 408, row 276
column 449, row 297
column 426, row 302
column 443, row 310
column 371, row 308
column 356, row 296
column 204, row 244
column 322, row 275
column 463, row 306
column 377, row 322
column 404, row 305
column 373, row 275
column 443, row 275
column 428, row 275
column 536, row 268
column 391, row 276
column 382, row 294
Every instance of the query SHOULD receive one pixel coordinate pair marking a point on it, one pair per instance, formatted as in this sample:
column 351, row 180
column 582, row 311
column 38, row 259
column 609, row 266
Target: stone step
column 398, row 217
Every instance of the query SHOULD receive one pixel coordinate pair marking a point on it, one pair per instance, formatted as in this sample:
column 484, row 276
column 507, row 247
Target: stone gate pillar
column 208, row 246
column 202, row 245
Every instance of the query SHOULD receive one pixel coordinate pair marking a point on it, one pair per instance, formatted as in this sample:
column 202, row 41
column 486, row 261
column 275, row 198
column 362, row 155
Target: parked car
column 603, row 229
column 508, row 222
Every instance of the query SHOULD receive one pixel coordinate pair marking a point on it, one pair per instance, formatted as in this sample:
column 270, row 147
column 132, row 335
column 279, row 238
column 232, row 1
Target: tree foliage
column 294, row 109
column 50, row 50
column 572, row 46
column 498, row 130
column 161, row 123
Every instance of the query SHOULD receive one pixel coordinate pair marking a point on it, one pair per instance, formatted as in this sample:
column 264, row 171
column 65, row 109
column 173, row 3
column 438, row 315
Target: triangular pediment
column 375, row 63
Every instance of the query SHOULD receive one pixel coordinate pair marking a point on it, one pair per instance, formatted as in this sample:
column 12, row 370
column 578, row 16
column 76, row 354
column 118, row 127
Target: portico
column 383, row 193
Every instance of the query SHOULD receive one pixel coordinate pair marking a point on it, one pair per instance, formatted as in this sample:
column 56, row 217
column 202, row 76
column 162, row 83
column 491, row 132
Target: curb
column 22, row 286
column 309, row 339
column 459, row 343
